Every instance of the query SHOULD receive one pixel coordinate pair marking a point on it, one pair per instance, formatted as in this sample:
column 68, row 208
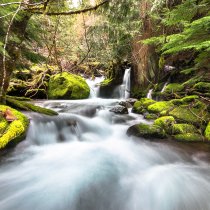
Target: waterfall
column 149, row 94
column 94, row 86
column 164, row 87
column 123, row 91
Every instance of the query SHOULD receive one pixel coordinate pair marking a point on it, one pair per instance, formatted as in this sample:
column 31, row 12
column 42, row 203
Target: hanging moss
column 15, row 131
column 67, row 86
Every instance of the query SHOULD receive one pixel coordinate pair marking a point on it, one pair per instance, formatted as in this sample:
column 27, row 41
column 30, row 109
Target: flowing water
column 83, row 160
column 123, row 91
column 149, row 94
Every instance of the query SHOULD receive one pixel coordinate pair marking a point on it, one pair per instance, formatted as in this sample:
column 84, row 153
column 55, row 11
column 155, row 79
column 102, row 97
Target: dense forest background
column 158, row 38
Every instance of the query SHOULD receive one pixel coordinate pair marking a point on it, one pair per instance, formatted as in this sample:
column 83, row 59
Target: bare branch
column 72, row 12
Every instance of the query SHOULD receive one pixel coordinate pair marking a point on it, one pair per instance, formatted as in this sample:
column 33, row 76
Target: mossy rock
column 189, row 137
column 146, row 131
column 67, row 86
column 202, row 87
column 160, row 106
column 150, row 116
column 14, row 131
column 184, row 114
column 207, row 132
column 173, row 88
column 184, row 128
column 165, row 122
column 106, row 82
column 141, row 105
column 3, row 124
column 22, row 105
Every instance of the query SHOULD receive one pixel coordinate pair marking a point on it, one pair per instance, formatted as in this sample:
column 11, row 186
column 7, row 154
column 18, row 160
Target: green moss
column 146, row 131
column 207, row 132
column 3, row 124
column 150, row 116
column 202, row 87
column 173, row 88
column 188, row 137
column 160, row 106
column 106, row 82
column 166, row 123
column 185, row 100
column 184, row 128
column 22, row 105
column 141, row 105
column 67, row 86
column 192, row 81
column 15, row 130
column 184, row 114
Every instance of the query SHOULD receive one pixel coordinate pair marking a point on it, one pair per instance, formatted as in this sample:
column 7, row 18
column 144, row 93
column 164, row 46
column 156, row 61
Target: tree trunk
column 18, row 28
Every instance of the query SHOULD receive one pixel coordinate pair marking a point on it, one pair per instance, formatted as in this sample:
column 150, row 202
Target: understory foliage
column 187, row 29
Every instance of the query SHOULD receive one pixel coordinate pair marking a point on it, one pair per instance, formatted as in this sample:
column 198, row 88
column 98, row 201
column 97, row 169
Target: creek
column 83, row 160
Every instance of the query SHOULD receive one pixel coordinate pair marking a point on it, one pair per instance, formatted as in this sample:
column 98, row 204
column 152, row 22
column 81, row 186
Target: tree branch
column 71, row 12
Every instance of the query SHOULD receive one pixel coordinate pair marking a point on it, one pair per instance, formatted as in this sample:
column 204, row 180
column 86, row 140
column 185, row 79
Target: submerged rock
column 119, row 110
column 146, row 131
column 67, row 86
column 12, row 132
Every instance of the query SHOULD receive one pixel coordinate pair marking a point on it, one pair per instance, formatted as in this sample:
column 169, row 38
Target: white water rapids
column 83, row 160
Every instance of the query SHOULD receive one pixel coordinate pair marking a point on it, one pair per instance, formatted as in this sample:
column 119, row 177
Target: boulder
column 184, row 128
column 14, row 131
column 140, row 106
column 146, row 131
column 119, row 110
column 173, row 88
column 165, row 122
column 131, row 101
column 67, row 86
column 125, row 104
column 160, row 106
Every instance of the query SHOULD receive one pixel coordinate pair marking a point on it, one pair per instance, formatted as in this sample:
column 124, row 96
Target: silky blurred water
column 82, row 160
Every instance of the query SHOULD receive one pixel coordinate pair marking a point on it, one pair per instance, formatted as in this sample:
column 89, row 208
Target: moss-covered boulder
column 188, row 137
column 186, row 114
column 165, row 122
column 67, row 86
column 202, row 87
column 12, row 132
column 173, row 88
column 185, row 100
column 140, row 106
column 207, row 132
column 146, row 131
column 184, row 128
column 150, row 116
column 160, row 106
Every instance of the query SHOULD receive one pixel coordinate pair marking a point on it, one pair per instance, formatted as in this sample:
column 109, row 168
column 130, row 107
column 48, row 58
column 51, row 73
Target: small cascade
column 123, row 91
column 164, row 87
column 94, row 87
column 149, row 94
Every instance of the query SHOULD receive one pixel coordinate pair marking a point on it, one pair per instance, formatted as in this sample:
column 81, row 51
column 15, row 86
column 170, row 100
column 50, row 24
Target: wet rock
column 131, row 101
column 119, row 110
column 125, row 104
column 146, row 131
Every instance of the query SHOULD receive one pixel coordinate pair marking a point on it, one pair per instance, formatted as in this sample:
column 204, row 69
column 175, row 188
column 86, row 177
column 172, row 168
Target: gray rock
column 119, row 110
